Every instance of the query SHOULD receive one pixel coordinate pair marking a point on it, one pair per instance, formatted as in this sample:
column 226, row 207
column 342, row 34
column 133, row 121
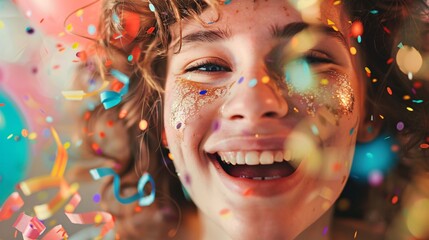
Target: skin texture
column 318, row 124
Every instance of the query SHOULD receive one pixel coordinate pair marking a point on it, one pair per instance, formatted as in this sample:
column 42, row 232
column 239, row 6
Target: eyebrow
column 286, row 32
column 290, row 30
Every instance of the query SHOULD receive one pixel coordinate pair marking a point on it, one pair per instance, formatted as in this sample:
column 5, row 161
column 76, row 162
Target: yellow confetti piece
column 32, row 136
column 367, row 70
column 98, row 218
column 143, row 125
column 374, row 80
column 353, row 50
column 79, row 13
column 337, row 3
column 75, row 45
column 330, row 23
column 77, row 95
column 410, row 109
column 69, row 27
column 324, row 81
column 295, row 109
column 406, row 97
column 335, row 28
column 265, row 79
column 67, row 145
column 170, row 155
column 355, row 234
column 1, row 24
column 381, row 116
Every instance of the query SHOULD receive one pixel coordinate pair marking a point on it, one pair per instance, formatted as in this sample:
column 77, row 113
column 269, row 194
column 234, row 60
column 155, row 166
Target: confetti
column 315, row 130
column 356, row 29
column 92, row 29
column 265, row 79
column 203, row 92
column 77, row 95
column 395, row 200
column 368, row 71
column 12, row 204
column 98, row 173
column 240, row 80
column 374, row 11
column 89, row 217
column 353, row 50
column 424, row 145
column 151, row 7
column 410, row 109
column 143, row 125
column 252, row 83
column 400, row 126
column 110, row 99
column 389, row 90
column 29, row 30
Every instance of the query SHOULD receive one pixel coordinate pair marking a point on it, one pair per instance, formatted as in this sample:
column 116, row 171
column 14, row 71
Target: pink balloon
column 64, row 19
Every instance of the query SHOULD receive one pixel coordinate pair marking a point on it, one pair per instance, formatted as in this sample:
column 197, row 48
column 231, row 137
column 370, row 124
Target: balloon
column 18, row 40
column 72, row 21
column 14, row 148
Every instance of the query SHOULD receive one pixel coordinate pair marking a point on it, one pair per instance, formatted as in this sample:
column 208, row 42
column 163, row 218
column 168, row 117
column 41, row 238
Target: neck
column 321, row 229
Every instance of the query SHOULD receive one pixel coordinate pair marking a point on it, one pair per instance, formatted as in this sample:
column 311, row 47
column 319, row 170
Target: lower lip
column 262, row 188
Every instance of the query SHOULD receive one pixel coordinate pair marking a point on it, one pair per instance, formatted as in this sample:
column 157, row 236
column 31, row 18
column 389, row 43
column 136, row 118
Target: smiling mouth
column 256, row 165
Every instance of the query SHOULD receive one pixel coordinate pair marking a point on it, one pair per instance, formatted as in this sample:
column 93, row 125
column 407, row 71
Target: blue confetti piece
column 351, row 131
column 116, row 18
column 130, row 58
column 98, row 173
column 203, row 92
column 315, row 130
column 151, row 7
column 253, row 82
column 417, row 101
column 227, row 2
column 374, row 11
column 110, row 99
column 359, row 39
column 92, row 29
column 240, row 80
column 400, row 45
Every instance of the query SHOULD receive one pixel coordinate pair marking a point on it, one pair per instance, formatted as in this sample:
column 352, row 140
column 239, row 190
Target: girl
column 255, row 106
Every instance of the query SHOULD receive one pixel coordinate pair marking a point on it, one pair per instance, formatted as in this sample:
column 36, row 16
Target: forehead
column 260, row 15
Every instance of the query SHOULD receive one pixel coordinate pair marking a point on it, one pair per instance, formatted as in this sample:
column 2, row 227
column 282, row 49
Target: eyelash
column 207, row 64
column 312, row 58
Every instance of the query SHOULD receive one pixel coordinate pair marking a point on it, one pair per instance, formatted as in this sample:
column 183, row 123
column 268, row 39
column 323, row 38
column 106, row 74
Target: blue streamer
column 110, row 99
column 98, row 173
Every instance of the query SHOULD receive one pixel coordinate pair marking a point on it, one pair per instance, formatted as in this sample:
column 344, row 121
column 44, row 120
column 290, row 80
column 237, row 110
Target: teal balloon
column 15, row 151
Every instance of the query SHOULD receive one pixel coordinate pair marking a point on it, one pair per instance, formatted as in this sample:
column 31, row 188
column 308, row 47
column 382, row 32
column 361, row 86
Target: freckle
column 236, row 11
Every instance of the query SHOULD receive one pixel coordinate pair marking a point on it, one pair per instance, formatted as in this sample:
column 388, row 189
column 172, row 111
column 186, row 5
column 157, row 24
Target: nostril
column 271, row 114
column 236, row 117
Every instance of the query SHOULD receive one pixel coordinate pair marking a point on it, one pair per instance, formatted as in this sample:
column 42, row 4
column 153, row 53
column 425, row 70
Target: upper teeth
column 254, row 157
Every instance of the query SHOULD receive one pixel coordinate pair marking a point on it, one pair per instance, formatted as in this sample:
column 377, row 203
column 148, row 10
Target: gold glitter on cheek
column 334, row 92
column 189, row 98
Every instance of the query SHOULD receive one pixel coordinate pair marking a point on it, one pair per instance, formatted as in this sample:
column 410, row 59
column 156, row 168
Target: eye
column 208, row 67
column 316, row 57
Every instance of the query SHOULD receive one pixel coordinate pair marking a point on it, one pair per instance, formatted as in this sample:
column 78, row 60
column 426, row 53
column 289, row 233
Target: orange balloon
column 72, row 21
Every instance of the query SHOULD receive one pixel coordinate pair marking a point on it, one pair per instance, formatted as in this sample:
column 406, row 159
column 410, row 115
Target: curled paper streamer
column 45, row 211
column 110, row 99
column 12, row 204
column 30, row 227
column 89, row 217
column 62, row 157
column 98, row 173
column 28, row 187
column 78, row 95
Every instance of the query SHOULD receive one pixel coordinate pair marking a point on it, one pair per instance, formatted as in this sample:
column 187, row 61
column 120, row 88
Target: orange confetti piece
column 224, row 212
column 150, row 30
column 1, row 104
column 424, row 145
column 389, row 90
column 395, row 200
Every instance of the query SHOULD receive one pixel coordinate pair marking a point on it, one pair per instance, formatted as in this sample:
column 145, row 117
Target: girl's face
column 261, row 115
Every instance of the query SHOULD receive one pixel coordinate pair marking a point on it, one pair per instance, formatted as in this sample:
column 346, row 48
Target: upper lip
column 247, row 143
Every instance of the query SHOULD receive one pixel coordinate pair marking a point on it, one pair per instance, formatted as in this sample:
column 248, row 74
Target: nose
column 255, row 99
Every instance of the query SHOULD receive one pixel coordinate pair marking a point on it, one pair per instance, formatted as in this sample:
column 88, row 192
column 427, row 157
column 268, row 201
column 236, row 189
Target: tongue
column 282, row 169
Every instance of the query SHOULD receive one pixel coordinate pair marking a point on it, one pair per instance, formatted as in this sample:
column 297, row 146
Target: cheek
column 332, row 91
column 188, row 100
